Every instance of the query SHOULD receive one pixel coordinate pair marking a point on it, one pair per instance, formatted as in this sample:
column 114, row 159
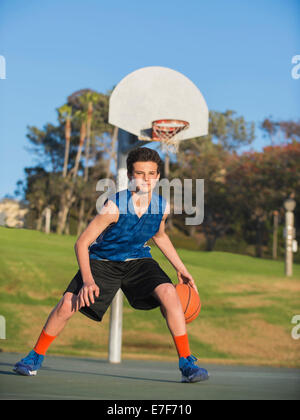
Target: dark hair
column 143, row 154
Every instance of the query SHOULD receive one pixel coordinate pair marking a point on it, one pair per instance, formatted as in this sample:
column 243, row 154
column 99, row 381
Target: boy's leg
column 55, row 323
column 172, row 311
column 60, row 315
column 107, row 277
column 171, row 308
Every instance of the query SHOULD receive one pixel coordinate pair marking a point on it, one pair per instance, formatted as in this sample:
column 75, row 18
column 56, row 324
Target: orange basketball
column 190, row 301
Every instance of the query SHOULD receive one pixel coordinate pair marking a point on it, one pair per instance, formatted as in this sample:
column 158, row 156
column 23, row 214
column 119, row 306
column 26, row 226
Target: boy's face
column 144, row 175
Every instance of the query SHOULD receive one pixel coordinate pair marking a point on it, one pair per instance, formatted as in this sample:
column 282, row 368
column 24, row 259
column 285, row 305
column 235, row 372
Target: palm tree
column 65, row 113
column 68, row 197
column 87, row 101
column 82, row 117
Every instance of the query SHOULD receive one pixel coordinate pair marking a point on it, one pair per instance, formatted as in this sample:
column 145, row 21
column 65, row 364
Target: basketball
column 190, row 302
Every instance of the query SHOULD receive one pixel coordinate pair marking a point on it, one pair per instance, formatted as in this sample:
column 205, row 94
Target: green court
column 76, row 378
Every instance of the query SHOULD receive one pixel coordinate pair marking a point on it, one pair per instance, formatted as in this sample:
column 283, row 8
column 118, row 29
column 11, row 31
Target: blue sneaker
column 30, row 364
column 190, row 371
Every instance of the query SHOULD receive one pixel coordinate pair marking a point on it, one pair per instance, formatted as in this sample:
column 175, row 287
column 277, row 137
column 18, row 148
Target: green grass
column 247, row 305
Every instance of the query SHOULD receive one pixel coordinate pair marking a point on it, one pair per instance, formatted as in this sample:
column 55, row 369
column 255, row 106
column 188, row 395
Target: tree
column 281, row 132
column 87, row 100
column 39, row 191
column 59, row 150
column 94, row 109
column 65, row 114
column 229, row 131
column 261, row 181
column 208, row 158
column 102, row 132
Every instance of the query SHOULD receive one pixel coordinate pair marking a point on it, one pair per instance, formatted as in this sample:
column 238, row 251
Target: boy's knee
column 167, row 293
column 66, row 306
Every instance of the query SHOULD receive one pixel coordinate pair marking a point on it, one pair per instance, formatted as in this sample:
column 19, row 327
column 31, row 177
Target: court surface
column 77, row 378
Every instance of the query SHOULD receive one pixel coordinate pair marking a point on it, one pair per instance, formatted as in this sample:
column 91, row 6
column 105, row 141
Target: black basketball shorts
column 137, row 278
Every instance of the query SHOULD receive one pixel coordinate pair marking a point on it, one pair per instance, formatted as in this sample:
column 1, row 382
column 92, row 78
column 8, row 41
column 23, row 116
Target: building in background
column 13, row 213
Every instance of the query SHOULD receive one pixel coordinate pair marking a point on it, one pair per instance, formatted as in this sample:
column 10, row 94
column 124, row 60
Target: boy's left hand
column 185, row 277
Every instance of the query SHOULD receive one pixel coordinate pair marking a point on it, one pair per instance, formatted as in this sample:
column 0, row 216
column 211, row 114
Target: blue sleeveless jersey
column 127, row 238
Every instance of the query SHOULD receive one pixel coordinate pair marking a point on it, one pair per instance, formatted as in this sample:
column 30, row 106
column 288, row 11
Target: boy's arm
column 108, row 214
column 162, row 240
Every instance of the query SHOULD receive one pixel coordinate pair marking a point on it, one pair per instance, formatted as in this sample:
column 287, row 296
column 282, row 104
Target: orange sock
column 43, row 343
column 182, row 345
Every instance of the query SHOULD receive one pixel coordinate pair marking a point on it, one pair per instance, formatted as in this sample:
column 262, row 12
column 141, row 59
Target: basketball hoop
column 166, row 131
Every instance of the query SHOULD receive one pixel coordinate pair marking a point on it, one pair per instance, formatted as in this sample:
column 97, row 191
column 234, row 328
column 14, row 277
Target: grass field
column 247, row 305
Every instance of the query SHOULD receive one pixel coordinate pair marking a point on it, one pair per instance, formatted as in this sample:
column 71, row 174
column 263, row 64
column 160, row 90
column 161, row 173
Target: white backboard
column 155, row 93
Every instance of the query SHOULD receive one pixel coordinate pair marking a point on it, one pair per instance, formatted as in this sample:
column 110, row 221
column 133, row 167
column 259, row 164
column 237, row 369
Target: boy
column 112, row 252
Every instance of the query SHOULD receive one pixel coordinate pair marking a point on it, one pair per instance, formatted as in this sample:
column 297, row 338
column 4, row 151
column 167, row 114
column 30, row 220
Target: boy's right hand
column 86, row 294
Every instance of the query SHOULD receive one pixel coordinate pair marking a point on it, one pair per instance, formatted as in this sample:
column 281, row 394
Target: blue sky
column 237, row 52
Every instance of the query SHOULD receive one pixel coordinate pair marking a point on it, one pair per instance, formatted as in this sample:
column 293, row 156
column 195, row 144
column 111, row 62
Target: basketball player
column 112, row 253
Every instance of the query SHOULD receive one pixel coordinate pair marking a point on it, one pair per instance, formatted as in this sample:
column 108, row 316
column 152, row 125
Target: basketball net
column 166, row 132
